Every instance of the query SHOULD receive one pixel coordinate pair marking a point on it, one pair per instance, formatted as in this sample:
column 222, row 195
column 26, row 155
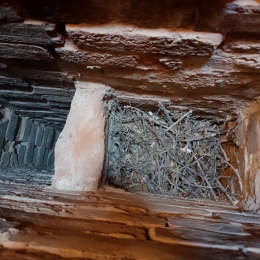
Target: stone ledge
column 116, row 38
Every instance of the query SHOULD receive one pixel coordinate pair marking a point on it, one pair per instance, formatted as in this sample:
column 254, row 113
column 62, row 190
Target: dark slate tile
column 39, row 157
column 50, row 138
column 50, row 161
column 25, row 129
column 21, row 149
column 39, row 135
column 28, row 157
column 3, row 126
column 5, row 160
column 12, row 127
column 33, row 134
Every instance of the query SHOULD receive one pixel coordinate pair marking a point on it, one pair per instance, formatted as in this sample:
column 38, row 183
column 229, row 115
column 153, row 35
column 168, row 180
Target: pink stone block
column 80, row 149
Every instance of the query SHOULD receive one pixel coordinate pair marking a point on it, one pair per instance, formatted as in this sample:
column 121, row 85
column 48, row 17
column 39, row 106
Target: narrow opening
column 171, row 151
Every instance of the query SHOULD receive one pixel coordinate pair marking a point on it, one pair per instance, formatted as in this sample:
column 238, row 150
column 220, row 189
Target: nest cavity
column 168, row 151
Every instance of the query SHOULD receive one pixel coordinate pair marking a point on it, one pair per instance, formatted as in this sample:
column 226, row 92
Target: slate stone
column 3, row 126
column 35, row 152
column 21, row 149
column 45, row 90
column 13, row 82
column 39, row 135
column 57, row 134
column 25, row 129
column 33, row 133
column 45, row 159
column 29, row 104
column 45, row 135
column 28, row 157
column 3, row 100
column 36, row 34
column 62, row 99
column 50, row 162
column 13, row 160
column 5, row 160
column 50, row 138
column 11, row 146
column 39, row 157
column 12, row 127
column 24, row 52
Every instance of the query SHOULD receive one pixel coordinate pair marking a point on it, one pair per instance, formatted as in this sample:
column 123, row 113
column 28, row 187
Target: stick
column 180, row 119
column 225, row 192
column 237, row 174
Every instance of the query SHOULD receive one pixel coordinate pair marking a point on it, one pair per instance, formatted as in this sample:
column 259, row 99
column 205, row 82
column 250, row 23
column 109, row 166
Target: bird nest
column 169, row 151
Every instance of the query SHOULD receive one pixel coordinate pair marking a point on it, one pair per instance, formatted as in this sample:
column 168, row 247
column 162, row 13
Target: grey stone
column 62, row 99
column 35, row 152
column 28, row 157
column 46, row 90
column 50, row 162
column 45, row 135
column 12, row 127
column 36, row 34
column 45, row 159
column 13, row 160
column 21, row 149
column 50, row 138
column 33, row 133
column 39, row 157
column 39, row 135
column 25, row 52
column 5, row 159
column 11, row 146
column 25, row 129
column 29, row 104
column 3, row 100
column 3, row 126
column 57, row 134
column 12, row 81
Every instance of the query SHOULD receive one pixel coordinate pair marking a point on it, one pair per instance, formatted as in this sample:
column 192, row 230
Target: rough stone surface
column 183, row 53
column 207, row 58
column 25, row 52
column 25, row 130
column 79, row 151
column 12, row 126
column 133, row 40
column 30, row 32
column 22, row 145
column 3, row 126
column 71, row 54
column 5, row 159
column 248, row 140
column 235, row 16
column 199, row 54
column 39, row 223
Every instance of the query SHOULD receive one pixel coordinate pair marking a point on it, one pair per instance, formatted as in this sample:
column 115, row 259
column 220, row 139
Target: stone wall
column 26, row 143
column 197, row 53
column 40, row 223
